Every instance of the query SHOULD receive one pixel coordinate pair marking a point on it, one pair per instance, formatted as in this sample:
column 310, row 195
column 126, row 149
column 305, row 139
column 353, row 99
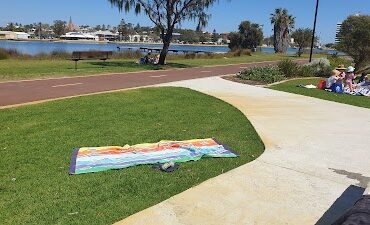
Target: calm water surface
column 36, row 47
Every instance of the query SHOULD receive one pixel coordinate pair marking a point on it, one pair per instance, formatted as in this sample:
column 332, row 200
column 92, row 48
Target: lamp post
column 314, row 30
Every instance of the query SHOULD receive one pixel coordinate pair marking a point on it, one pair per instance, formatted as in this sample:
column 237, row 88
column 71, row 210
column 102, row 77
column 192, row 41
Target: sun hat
column 341, row 67
column 351, row 69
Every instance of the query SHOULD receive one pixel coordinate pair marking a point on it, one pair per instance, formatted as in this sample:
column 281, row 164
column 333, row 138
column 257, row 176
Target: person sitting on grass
column 342, row 73
column 350, row 76
column 364, row 80
column 363, row 77
column 334, row 78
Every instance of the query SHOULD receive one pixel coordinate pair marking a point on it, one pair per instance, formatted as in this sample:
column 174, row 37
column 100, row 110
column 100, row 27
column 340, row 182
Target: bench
column 90, row 55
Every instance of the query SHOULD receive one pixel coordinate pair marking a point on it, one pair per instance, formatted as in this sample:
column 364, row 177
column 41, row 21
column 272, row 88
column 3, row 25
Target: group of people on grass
column 343, row 80
column 149, row 59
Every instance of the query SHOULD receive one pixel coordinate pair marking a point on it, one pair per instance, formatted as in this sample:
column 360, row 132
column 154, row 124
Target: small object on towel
column 166, row 167
column 309, row 86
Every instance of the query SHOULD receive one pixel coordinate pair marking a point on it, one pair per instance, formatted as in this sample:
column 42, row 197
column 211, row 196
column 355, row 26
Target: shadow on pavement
column 343, row 203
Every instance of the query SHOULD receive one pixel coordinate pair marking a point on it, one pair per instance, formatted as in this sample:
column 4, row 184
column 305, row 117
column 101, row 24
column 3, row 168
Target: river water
column 36, row 47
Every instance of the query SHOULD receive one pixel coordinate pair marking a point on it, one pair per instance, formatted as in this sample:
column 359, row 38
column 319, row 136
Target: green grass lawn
column 291, row 86
column 36, row 144
column 15, row 69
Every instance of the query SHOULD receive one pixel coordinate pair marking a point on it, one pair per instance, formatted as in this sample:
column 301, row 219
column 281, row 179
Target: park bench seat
column 90, row 55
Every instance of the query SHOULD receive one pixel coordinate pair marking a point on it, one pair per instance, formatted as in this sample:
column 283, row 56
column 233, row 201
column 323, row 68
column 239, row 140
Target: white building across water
column 78, row 36
column 11, row 35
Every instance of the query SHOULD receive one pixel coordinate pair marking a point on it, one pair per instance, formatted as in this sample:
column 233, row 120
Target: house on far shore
column 11, row 35
column 105, row 35
column 78, row 36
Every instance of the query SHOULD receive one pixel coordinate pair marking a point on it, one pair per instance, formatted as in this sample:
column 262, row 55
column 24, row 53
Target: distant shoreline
column 108, row 42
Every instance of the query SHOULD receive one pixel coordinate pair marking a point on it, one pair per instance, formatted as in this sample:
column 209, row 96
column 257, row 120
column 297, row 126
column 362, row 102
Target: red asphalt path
column 21, row 92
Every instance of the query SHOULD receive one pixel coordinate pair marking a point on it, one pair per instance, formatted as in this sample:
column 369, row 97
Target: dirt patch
column 234, row 78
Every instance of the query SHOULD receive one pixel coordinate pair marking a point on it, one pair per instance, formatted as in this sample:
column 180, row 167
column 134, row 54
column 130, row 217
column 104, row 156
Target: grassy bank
column 36, row 144
column 291, row 86
column 15, row 69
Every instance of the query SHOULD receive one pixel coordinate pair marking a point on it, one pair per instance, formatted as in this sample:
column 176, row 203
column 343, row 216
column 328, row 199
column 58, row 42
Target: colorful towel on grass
column 96, row 159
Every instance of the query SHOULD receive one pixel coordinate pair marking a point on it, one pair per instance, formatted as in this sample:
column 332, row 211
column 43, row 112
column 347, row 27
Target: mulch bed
column 234, row 78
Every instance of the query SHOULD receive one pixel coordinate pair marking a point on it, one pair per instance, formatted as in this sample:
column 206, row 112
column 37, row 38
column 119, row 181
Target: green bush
column 263, row 74
column 239, row 52
column 322, row 70
column 322, row 67
column 3, row 54
column 288, row 68
column 307, row 71
column 335, row 61
column 190, row 56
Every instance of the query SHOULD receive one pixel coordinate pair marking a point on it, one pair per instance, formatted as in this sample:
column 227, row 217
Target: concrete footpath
column 316, row 151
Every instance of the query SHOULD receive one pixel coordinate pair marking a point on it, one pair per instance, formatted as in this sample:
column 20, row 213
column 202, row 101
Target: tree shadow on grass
column 133, row 65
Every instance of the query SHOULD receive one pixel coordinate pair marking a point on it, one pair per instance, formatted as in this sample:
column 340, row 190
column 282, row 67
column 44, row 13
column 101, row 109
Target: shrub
column 263, row 74
column 3, row 54
column 288, row 68
column 322, row 70
column 321, row 67
column 320, row 62
column 11, row 53
column 239, row 52
column 307, row 71
column 335, row 61
column 190, row 56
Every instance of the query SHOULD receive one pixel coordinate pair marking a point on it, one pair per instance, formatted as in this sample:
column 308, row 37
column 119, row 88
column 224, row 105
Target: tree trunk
column 281, row 39
column 166, row 45
column 300, row 51
column 163, row 55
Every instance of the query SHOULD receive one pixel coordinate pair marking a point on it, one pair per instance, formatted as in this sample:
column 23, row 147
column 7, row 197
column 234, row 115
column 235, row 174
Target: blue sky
column 226, row 15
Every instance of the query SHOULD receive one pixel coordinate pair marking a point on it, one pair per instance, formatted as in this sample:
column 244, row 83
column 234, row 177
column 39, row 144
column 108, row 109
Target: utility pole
column 314, row 29
column 40, row 31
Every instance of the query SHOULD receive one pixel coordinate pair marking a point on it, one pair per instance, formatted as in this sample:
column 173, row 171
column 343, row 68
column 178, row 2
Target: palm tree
column 283, row 24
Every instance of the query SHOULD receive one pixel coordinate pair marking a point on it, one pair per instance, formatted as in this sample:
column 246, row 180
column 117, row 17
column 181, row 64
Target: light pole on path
column 314, row 29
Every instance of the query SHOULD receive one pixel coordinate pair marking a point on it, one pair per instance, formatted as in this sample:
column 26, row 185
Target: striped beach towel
column 96, row 159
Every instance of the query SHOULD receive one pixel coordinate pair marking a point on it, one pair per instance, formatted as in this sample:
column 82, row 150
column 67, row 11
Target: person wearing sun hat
column 332, row 79
column 342, row 73
column 341, row 68
column 350, row 76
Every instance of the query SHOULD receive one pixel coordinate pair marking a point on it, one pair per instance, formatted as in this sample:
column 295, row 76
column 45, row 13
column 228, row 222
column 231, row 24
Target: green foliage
column 239, row 52
column 303, row 39
column 283, row 23
column 3, row 54
column 335, row 61
column 167, row 14
column 288, row 68
column 250, row 36
column 11, row 54
column 318, row 67
column 188, row 36
column 59, row 28
column 263, row 74
column 354, row 37
column 321, row 67
column 306, row 71
column 330, row 45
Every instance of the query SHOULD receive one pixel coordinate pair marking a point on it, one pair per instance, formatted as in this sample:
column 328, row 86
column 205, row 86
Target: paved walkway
column 315, row 151
column 21, row 92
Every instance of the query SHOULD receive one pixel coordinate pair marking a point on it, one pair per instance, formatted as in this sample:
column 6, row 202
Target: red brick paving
column 21, row 92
